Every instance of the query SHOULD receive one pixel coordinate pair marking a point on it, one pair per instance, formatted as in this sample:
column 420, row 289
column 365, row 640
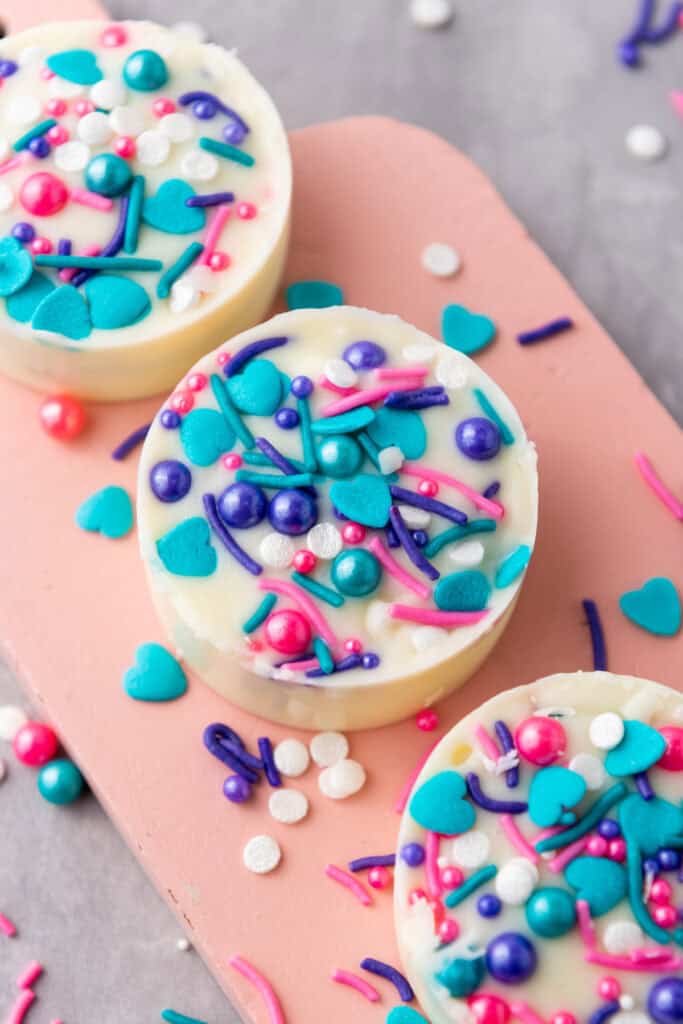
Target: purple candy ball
column 665, row 1001
column 23, row 231
column 511, row 958
column 669, row 859
column 413, row 854
column 478, row 438
column 242, row 505
column 364, row 355
column 650, row 866
column 236, row 789
column 609, row 828
column 421, row 538
column 170, row 480
column 233, row 133
column 170, row 419
column 370, row 660
column 7, row 68
column 292, row 512
column 301, row 387
column 204, row 109
column 286, row 418
column 39, row 147
column 489, row 905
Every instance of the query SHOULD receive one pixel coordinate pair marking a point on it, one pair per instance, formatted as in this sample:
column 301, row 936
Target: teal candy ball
column 108, row 175
column 462, row 977
column 551, row 912
column 339, row 456
column 356, row 572
column 145, row 71
column 60, row 781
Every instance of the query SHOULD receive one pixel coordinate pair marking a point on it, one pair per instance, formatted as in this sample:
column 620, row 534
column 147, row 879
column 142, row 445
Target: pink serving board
column 369, row 194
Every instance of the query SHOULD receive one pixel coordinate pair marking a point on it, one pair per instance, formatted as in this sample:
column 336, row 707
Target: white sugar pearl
column 516, row 881
column 324, row 540
column 31, row 55
column 440, row 259
column 415, row 518
column 590, row 768
column 203, row 278
column 468, row 554
column 288, row 806
column 6, row 197
column 606, row 731
column 622, row 936
column 199, row 166
column 94, row 128
column 646, row 142
column 627, row 1002
column 419, row 353
column 23, row 110
column 153, row 148
column 425, row 637
column 127, row 120
column 340, row 373
column 291, row 758
column 471, row 849
column 431, row 13
column 377, row 618
column 107, row 93
column 276, row 551
column 183, row 296
column 178, row 127
column 261, row 855
column 11, row 721
column 191, row 31
column 59, row 89
column 451, row 371
column 329, row 747
column 390, row 459
column 72, row 156
column 183, row 945
column 342, row 779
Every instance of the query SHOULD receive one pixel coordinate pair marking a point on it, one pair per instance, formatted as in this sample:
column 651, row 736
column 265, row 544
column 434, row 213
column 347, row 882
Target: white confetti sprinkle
column 127, row 120
column 178, row 127
column 342, row 779
column 59, row 89
column 11, row 720
column 590, row 768
column 431, row 13
column 646, row 142
column 288, row 806
column 6, row 197
column 340, row 373
column 324, row 540
column 390, row 459
column 190, row 30
column 94, row 128
column 199, row 166
column 183, row 296
column 627, row 1002
column 423, row 352
column 261, row 854
column 606, row 731
column 203, row 278
column 415, row 518
column 31, row 55
column 471, row 849
column 468, row 554
column 107, row 93
column 329, row 747
column 377, row 617
column 23, row 110
column 72, row 156
column 183, row 945
column 440, row 259
column 451, row 371
column 516, row 880
column 622, row 936
column 425, row 637
column 153, row 148
column 276, row 551
column 291, row 758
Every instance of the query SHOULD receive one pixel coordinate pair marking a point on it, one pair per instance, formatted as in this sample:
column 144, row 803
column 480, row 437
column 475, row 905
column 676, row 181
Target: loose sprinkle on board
column 130, row 443
column 350, row 883
column 646, row 470
column 359, row 984
column 262, row 986
column 597, row 635
column 400, row 983
column 549, row 330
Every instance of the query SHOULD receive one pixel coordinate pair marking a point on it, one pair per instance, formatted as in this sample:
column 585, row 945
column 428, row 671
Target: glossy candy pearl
column 107, row 174
column 452, row 877
column 661, row 892
column 219, row 260
column 448, row 931
column 489, row 905
column 23, row 232
column 650, row 866
column 370, row 660
column 478, row 438
column 181, row 401
column 413, row 854
column 60, row 782
column 488, row 1008
column 672, row 758
column 353, row 645
column 356, row 572
column 242, row 505
column 511, row 958
column 39, row 147
column 609, row 828
column 246, row 211
column 57, row 135
column 232, row 460
column 41, row 246
column 83, row 107
column 666, row 916
column 286, row 418
column 665, row 1001
column 113, row 35
column 379, row 877
column 540, row 740
column 339, row 456
column 304, row 561
column 35, row 744
column 197, row 381
column 416, row 895
column 145, row 71
column 669, row 859
column 421, row 538
column 163, row 106
column 427, row 720
column 236, row 789
column 429, row 488
column 596, row 846
column 353, row 533
column 551, row 912
column 170, row 419
column 609, row 988
column 43, row 194
column 8, row 68
column 563, row 1017
column 292, row 512
column 125, row 147
column 288, row 631
column 170, row 480
column 301, row 387
column 55, row 107
column 364, row 355
column 617, row 850
column 62, row 417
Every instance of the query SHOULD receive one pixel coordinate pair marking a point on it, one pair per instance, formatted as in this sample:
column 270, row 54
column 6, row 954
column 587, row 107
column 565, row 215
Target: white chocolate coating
column 418, row 664
column 150, row 355
column 563, row 979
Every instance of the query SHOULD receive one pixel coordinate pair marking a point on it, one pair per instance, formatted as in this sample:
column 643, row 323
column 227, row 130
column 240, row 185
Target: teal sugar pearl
column 551, row 912
column 356, row 572
column 145, row 71
column 60, row 781
column 339, row 456
column 108, row 175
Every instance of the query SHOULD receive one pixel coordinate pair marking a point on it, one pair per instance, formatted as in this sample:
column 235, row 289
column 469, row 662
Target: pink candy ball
column 41, row 246
column 379, row 877
column 489, row 1009
column 125, row 147
column 43, row 194
column 563, row 1017
column 452, row 877
column 353, row 533
column 540, row 740
column 46, row 74
column 416, row 896
column 596, row 846
column 83, row 107
column 62, row 417
column 448, row 930
column 288, row 631
column 222, row 358
column 182, row 401
column 609, row 988
column 428, row 487
column 661, row 891
column 665, row 917
column 304, row 561
column 672, row 758
column 232, row 460
column 427, row 720
column 616, row 850
column 35, row 744
column 353, row 645
column 163, row 106
column 219, row 260
column 55, row 108
column 197, row 381
column 57, row 135
column 114, row 35
column 246, row 211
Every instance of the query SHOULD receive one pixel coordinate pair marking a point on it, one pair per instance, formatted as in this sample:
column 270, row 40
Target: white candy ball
column 199, row 166
column 324, row 540
column 431, row 13
column 590, row 768
column 153, row 148
column 342, row 779
column 108, row 93
column 390, row 459
column 183, row 296
column 606, row 731
column 451, row 371
column 425, row 637
column 468, row 554
column 516, row 881
column 291, row 758
column 288, row 806
column 23, row 109
column 276, row 551
column 440, row 259
column 327, row 748
column 94, row 129
column 471, row 849
column 72, row 156
column 126, row 120
column 261, row 855
column 183, row 945
column 622, row 936
column 646, row 142
column 178, row 127
column 377, row 617
column 415, row 518
column 6, row 197
column 340, row 373
column 11, row 721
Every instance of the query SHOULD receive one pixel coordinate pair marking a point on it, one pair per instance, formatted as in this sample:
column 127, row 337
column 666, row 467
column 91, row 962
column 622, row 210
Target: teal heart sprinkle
column 78, row 66
column 462, row 976
column 155, row 676
column 363, row 498
column 553, row 790
column 403, row 428
column 466, row 591
column 465, row 331
column 166, row 210
column 602, row 883
column 109, row 511
column 257, row 389
column 640, row 747
column 205, row 436
column 116, row 301
column 512, row 566
column 405, row 1015
column 314, row 295
column 64, row 312
column 439, row 805
column 656, row 607
column 650, row 824
column 22, row 304
column 16, row 266
column 186, row 550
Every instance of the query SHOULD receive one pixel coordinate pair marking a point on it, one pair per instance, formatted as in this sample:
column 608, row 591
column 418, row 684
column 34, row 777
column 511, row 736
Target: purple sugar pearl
column 242, row 505
column 301, row 387
column 421, row 538
column 292, row 512
column 7, row 68
column 650, row 866
column 23, row 232
column 170, row 480
column 665, row 1001
column 170, row 419
column 236, row 789
column 233, row 133
column 40, row 147
column 668, row 859
column 609, row 828
column 413, row 854
column 489, row 905
column 478, row 438
column 286, row 418
column 511, row 958
column 364, row 355
column 370, row 660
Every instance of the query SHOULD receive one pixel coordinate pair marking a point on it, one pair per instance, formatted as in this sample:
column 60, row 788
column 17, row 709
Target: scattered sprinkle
column 646, row 470
column 327, row 748
column 288, row 806
column 549, row 330
column 440, row 259
column 645, row 142
column 401, row 983
column 314, row 295
column 261, row 854
column 350, row 883
column 431, row 13
column 342, row 779
column 262, row 986
column 359, row 984
column 291, row 758
column 11, row 720
column 130, row 443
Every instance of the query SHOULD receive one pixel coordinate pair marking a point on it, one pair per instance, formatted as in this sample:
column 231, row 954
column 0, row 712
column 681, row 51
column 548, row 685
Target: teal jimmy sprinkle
column 318, row 590
column 260, row 614
column 489, row 410
column 172, row 1017
column 589, row 820
column 470, row 885
column 97, row 262
column 274, row 480
column 136, row 197
column 227, row 151
column 230, row 413
column 184, row 261
column 33, row 133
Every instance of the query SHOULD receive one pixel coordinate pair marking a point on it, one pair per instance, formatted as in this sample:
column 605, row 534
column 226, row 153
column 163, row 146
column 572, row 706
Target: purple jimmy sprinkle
column 487, row 803
column 205, row 106
column 421, row 398
column 597, row 635
column 492, row 489
column 112, row 248
column 276, row 457
column 255, row 348
column 211, row 199
column 218, row 733
column 266, row 751
column 382, row 860
column 548, row 330
column 401, row 984
column 227, row 539
column 410, row 547
column 232, row 753
column 604, row 1012
column 130, row 442
column 438, row 508
column 64, row 246
column 668, row 26
column 507, row 743
column 349, row 662
column 392, row 539
column 643, row 786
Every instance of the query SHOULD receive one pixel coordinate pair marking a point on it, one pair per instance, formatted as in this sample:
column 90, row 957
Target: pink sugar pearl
column 197, row 381
column 353, row 645
column 55, row 108
column 83, row 107
column 304, row 561
column 163, row 106
column 597, row 846
column 427, row 720
column 222, row 358
column 125, row 147
column 58, row 135
column 452, row 877
column 232, row 460
column 563, row 1017
column 182, row 401
column 113, row 35
column 540, row 740
column 379, row 877
column 488, row 1008
column 41, row 246
column 246, row 211
column 62, row 417
column 219, row 260
column 43, row 194
column 616, row 850
column 661, row 891
column 428, row 487
column 288, row 631
column 46, row 74
column 353, row 533
column 666, row 917
column 448, row 930
column 609, row 988
column 35, row 744
column 416, row 896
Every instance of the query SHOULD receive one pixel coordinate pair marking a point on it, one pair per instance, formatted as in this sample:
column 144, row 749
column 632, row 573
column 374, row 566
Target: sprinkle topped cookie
column 144, row 204
column 301, row 516
column 550, row 827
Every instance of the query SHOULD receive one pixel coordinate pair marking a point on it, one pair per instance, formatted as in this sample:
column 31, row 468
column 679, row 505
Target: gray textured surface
column 532, row 92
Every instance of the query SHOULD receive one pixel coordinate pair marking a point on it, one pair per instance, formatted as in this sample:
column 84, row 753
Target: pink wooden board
column 369, row 195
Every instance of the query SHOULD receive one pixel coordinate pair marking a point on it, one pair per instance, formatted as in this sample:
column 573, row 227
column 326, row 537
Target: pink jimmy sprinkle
column 366, row 397
column 7, row 927
column 525, row 1013
column 350, row 883
column 21, row 1006
column 301, row 666
column 213, row 232
column 397, row 571
column 398, row 372
column 262, row 986
column 432, row 873
column 360, row 984
column 494, row 508
column 14, row 162
column 432, row 617
column 508, row 824
column 570, row 853
column 329, row 386
column 646, row 470
column 91, row 199
column 66, row 273
column 30, row 974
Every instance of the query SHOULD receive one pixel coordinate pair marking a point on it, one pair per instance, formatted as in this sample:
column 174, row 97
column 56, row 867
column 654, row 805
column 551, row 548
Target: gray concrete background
column 533, row 93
